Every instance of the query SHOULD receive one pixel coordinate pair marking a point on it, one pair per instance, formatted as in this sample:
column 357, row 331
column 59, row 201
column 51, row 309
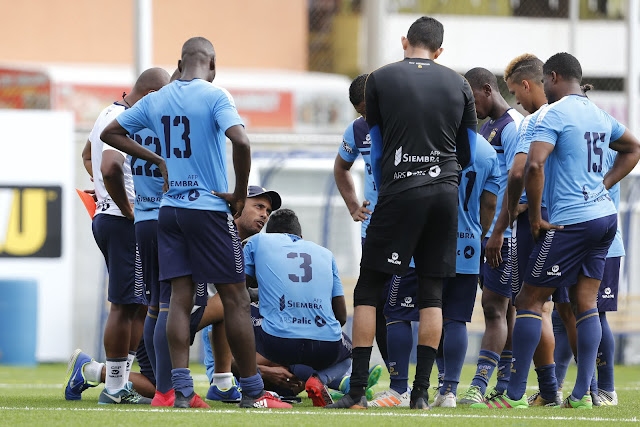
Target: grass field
column 34, row 396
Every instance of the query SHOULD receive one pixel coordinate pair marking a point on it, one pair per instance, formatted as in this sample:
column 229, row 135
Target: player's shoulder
column 516, row 117
column 484, row 150
column 105, row 117
column 556, row 109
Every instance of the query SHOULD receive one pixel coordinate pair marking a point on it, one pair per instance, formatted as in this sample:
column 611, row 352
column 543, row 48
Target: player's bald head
column 197, row 49
column 151, row 80
column 478, row 77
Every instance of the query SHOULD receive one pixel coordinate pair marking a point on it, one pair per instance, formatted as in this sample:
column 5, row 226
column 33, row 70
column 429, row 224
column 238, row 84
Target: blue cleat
column 232, row 395
column 75, row 382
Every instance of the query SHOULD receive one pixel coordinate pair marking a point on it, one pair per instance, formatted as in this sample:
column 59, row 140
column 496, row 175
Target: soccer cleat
column 265, row 400
column 446, row 401
column 231, row 395
column 191, row 401
column 125, row 396
column 336, row 395
column 390, row 398
column 595, row 399
column 473, row 395
column 164, row 399
column 317, row 391
column 372, row 380
column 347, row 402
column 536, row 399
column 502, row 402
column 584, row 403
column 492, row 394
column 419, row 399
column 75, row 382
column 608, row 398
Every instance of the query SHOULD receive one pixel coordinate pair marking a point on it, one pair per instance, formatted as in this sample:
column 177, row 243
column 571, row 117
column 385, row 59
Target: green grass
column 34, row 396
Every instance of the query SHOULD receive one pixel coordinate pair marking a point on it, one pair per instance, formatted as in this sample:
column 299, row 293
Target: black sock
column 359, row 371
column 426, row 357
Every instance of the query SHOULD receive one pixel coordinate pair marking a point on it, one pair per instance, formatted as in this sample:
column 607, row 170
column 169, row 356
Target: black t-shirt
column 420, row 107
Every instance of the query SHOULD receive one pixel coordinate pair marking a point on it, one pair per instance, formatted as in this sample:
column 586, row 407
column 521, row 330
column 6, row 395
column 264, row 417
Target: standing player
column 570, row 140
column 113, row 229
column 421, row 115
column 501, row 131
column 197, row 238
column 477, row 201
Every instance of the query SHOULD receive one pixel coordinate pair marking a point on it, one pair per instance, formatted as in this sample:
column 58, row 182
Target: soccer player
column 197, row 238
column 477, row 200
column 114, row 232
column 301, row 303
column 570, row 140
column 523, row 76
column 422, row 123
column 500, row 131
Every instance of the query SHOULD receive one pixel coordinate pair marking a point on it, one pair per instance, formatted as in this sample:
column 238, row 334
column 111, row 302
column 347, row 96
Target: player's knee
column 429, row 292
column 369, row 286
column 494, row 311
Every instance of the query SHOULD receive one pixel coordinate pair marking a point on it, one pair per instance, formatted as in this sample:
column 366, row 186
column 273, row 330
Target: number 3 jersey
column 190, row 119
column 580, row 133
column 105, row 203
column 297, row 281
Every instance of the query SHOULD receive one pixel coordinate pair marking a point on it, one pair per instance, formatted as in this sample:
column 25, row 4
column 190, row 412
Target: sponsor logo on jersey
column 320, row 322
column 298, row 320
column 193, row 195
column 346, row 147
column 400, row 175
column 30, row 221
column 434, row 171
column 469, row 252
column 398, row 157
column 555, row 271
column 394, row 259
column 408, row 302
column 608, row 294
column 367, row 140
column 492, row 135
column 316, row 304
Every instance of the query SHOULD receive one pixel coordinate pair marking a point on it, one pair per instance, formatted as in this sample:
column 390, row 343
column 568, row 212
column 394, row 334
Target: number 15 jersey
column 190, row 119
column 580, row 132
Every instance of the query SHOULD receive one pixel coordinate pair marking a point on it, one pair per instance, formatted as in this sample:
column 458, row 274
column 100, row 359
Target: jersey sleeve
column 337, row 290
column 348, row 150
column 510, row 142
column 492, row 184
column 374, row 120
column 617, row 128
column 135, row 118
column 225, row 111
column 548, row 126
column 522, row 145
column 249, row 259
column 466, row 136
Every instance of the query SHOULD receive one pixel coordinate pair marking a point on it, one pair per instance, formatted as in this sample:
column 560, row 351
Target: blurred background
column 288, row 64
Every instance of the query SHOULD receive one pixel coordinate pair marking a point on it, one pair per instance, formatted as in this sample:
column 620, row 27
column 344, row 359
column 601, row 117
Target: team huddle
column 526, row 207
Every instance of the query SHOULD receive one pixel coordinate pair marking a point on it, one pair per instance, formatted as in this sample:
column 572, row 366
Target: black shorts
column 422, row 223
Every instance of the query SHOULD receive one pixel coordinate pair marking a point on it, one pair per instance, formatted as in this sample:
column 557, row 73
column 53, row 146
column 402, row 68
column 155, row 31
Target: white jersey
column 105, row 204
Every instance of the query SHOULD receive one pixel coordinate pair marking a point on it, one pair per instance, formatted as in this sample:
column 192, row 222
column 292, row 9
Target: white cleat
column 446, row 401
column 390, row 398
column 608, row 398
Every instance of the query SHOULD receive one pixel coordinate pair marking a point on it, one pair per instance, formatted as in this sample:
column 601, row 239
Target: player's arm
column 339, row 307
column 374, row 120
column 113, row 175
column 493, row 249
column 241, row 166
column 628, row 148
column 488, row 202
column 534, row 184
column 466, row 135
column 86, row 158
column 515, row 185
column 344, row 182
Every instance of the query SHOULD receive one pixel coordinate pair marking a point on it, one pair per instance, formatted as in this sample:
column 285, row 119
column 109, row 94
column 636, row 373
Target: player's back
column 581, row 133
column 297, row 280
column 147, row 179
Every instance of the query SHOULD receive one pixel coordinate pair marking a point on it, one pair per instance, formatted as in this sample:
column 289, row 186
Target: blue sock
column 487, row 362
column 208, row 361
column 182, row 381
column 593, row 386
column 399, row 345
column 589, row 335
column 252, row 386
column 454, row 348
column 526, row 336
column 440, row 366
column 547, row 381
column 605, row 356
column 147, row 335
column 562, row 354
column 504, row 370
column 303, row 372
column 161, row 345
column 335, row 372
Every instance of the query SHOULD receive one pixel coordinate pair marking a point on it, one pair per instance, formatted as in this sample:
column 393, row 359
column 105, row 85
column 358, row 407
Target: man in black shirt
column 422, row 122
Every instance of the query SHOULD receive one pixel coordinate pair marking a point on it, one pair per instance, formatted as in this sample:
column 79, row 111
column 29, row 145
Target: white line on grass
column 328, row 413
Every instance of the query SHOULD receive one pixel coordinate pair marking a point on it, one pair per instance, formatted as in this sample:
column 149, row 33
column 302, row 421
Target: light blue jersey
column 297, row 281
column 147, row 179
column 483, row 174
column 502, row 134
column 580, row 133
column 356, row 141
column 525, row 133
column 617, row 246
column 190, row 118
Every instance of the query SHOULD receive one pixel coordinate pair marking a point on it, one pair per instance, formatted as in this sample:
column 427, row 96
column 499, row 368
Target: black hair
column 565, row 65
column 426, row 32
column 356, row 89
column 284, row 221
column 478, row 77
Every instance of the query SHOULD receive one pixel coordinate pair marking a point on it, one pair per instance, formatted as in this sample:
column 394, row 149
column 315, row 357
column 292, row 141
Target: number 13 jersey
column 580, row 133
column 190, row 119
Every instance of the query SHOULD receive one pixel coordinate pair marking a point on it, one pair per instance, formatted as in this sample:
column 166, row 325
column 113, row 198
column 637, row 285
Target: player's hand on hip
column 92, row 193
column 493, row 250
column 362, row 213
column 235, row 202
column 539, row 228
